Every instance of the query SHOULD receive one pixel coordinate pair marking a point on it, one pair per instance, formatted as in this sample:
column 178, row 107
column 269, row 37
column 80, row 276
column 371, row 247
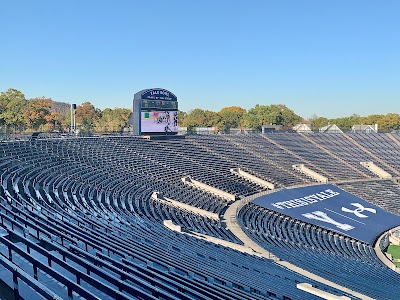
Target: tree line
column 262, row 115
column 18, row 114
column 44, row 114
column 388, row 122
column 238, row 117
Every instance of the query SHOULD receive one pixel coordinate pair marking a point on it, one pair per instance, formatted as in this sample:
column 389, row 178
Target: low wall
column 381, row 244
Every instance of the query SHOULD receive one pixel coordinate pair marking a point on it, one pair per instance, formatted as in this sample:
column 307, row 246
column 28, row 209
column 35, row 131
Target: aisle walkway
column 230, row 220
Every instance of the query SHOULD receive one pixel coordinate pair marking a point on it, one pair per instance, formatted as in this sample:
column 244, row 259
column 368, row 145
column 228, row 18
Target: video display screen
column 159, row 121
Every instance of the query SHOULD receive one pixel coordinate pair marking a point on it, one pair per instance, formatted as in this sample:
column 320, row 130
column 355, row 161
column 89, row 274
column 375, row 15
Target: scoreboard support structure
column 155, row 112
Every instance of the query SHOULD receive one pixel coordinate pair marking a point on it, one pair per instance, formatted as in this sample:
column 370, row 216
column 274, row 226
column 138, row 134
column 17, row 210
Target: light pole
column 73, row 120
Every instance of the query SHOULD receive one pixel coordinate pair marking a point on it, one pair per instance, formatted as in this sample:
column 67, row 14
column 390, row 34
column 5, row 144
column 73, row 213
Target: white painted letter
column 323, row 217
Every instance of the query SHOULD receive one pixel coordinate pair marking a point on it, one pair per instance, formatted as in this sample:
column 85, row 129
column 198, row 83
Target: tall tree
column 287, row 118
column 276, row 114
column 12, row 103
column 181, row 117
column 318, row 122
column 389, row 122
column 345, row 123
column 258, row 116
column 36, row 112
column 201, row 118
column 371, row 119
column 56, row 121
column 231, row 117
column 87, row 116
column 113, row 119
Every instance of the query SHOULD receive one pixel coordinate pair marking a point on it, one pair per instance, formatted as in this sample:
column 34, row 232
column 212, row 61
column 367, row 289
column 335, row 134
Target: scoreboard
column 159, row 104
column 155, row 111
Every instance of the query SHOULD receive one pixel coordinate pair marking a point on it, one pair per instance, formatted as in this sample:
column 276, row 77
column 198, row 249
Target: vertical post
column 69, row 291
column 73, row 118
column 72, row 126
column 15, row 281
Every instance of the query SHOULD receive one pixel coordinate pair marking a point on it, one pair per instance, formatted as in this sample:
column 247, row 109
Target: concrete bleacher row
column 82, row 223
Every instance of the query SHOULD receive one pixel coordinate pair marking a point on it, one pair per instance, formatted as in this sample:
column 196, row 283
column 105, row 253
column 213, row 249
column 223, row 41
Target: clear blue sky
column 326, row 57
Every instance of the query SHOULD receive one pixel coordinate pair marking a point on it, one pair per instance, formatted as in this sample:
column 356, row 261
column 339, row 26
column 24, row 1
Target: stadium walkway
column 231, row 224
column 230, row 221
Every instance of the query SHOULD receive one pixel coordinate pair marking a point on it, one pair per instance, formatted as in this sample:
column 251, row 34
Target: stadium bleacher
column 78, row 220
column 328, row 254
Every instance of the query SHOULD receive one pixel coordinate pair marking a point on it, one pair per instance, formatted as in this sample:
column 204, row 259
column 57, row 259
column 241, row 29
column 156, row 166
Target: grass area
column 395, row 252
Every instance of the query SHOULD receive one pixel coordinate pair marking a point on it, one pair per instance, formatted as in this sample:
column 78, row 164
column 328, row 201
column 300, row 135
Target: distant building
column 302, row 128
column 205, row 130
column 270, row 128
column 182, row 130
column 242, row 131
column 331, row 128
column 364, row 128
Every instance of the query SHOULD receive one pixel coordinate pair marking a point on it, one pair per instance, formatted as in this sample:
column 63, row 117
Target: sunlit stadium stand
column 382, row 147
column 79, row 218
column 315, row 157
column 342, row 148
column 384, row 193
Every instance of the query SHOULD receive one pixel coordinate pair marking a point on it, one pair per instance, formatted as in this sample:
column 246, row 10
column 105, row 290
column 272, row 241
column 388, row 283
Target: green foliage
column 16, row 111
column 288, row 118
column 113, row 119
column 231, row 117
column 201, row 118
column 12, row 104
column 181, row 117
column 87, row 116
column 318, row 122
column 346, row 123
column 36, row 112
column 387, row 122
column 371, row 119
column 270, row 115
